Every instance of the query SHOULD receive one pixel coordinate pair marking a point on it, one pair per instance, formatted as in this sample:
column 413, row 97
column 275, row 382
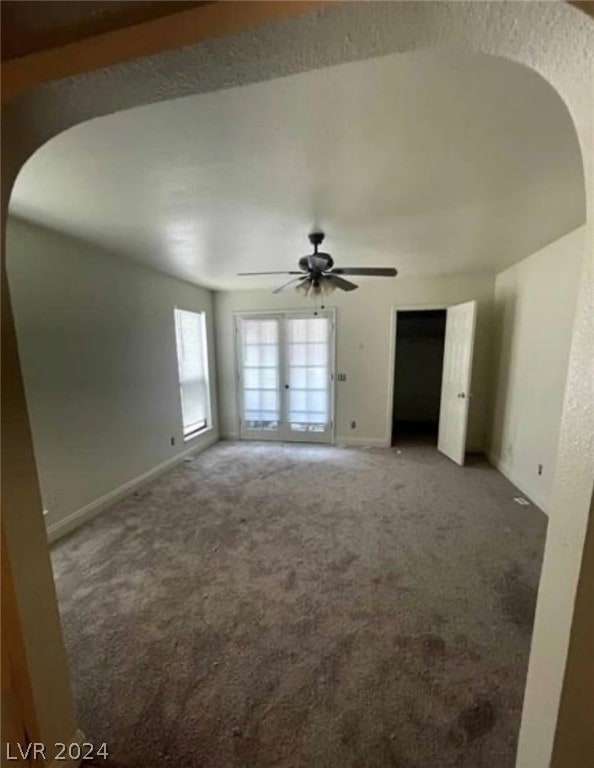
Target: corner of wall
column 83, row 515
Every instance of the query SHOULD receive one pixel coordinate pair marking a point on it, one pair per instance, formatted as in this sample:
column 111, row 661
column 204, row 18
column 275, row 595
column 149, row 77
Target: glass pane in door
column 260, row 368
column 308, row 374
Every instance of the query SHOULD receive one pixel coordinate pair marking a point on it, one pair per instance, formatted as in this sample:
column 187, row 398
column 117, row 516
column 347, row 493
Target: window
column 192, row 359
column 308, row 373
column 261, row 398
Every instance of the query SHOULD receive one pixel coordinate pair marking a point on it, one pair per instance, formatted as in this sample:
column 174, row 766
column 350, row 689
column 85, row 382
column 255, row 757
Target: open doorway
column 418, row 367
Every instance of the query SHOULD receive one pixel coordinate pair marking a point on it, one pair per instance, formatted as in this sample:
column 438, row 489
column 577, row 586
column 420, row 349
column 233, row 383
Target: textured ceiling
column 434, row 163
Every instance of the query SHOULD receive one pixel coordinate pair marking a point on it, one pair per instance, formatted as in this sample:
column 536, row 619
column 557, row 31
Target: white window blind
column 192, row 359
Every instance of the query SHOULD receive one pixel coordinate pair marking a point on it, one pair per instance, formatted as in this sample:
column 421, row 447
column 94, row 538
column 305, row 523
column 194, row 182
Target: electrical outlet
column 540, row 469
column 353, row 425
column 173, row 441
column 341, row 376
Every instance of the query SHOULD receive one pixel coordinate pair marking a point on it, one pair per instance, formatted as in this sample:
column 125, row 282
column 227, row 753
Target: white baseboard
column 84, row 514
column 70, row 762
column 351, row 442
column 362, row 442
column 519, row 482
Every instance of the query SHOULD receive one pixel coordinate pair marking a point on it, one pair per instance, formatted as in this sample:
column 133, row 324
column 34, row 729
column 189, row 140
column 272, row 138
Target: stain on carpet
column 434, row 645
column 230, row 614
column 518, row 598
column 478, row 719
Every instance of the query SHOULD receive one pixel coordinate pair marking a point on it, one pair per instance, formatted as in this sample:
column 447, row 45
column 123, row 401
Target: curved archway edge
column 553, row 39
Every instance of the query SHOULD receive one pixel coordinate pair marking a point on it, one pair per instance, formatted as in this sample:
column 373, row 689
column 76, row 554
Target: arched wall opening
column 525, row 34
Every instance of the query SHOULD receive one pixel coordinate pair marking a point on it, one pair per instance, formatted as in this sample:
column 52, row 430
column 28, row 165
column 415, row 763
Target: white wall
column 364, row 348
column 535, row 302
column 97, row 346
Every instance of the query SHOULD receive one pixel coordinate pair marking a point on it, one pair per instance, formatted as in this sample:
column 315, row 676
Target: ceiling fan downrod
column 316, row 239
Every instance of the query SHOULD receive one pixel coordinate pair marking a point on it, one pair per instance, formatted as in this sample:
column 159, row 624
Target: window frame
column 194, row 431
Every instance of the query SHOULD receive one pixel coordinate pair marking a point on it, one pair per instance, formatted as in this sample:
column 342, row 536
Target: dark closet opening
column 418, row 365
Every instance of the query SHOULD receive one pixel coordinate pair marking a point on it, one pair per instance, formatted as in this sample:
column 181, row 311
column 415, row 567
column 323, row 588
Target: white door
column 285, row 376
column 456, row 380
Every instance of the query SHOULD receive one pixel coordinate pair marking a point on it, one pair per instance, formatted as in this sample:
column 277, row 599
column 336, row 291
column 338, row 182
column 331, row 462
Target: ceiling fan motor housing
column 316, row 262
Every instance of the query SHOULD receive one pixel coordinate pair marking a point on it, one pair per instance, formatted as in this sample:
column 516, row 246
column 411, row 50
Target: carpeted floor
column 312, row 607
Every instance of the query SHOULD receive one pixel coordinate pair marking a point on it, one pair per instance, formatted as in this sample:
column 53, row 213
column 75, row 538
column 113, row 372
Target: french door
column 286, row 376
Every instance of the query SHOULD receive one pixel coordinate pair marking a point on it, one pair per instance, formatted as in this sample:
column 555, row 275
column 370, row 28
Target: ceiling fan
column 317, row 273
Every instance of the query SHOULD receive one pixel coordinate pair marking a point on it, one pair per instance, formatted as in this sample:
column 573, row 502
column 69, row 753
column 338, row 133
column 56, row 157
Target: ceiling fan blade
column 291, row 283
column 338, row 282
column 252, row 274
column 366, row 271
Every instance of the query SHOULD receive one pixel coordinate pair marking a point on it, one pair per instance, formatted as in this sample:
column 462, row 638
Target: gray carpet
column 298, row 606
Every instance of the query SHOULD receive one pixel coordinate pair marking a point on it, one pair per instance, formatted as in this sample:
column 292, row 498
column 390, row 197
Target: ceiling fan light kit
column 317, row 274
column 307, row 288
